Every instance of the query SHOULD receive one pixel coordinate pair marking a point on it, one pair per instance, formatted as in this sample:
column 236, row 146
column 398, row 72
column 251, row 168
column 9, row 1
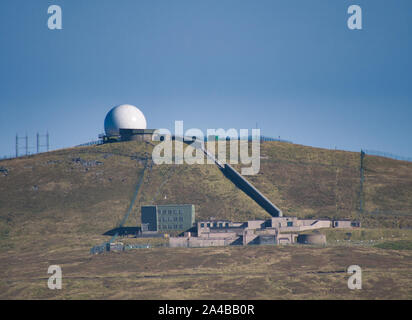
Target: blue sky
column 291, row 66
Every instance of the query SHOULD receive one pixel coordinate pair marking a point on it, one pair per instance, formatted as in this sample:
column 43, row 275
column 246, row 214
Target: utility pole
column 17, row 145
column 361, row 204
column 38, row 142
column 27, row 145
column 335, row 164
column 39, row 146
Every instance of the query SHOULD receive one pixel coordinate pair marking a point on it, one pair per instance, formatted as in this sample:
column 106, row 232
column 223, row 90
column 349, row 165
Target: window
column 215, row 224
column 227, row 224
column 164, row 211
column 169, row 226
column 181, row 226
column 170, row 211
column 220, row 225
column 174, row 211
column 290, row 224
column 174, row 218
column 202, row 225
column 181, row 219
column 208, row 225
column 175, row 226
column 180, row 211
column 164, row 227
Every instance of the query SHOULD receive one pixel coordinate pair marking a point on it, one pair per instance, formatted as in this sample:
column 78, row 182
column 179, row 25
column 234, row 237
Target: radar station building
column 166, row 218
column 126, row 123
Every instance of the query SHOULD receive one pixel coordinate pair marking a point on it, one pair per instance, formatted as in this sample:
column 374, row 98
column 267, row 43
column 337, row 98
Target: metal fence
column 264, row 138
column 107, row 247
column 91, row 143
column 251, row 138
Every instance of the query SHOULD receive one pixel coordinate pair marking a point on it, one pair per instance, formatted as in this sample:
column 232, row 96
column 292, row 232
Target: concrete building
column 216, row 228
column 345, row 224
column 293, row 224
column 277, row 230
column 126, row 123
column 136, row 134
column 167, row 218
column 319, row 239
column 195, row 242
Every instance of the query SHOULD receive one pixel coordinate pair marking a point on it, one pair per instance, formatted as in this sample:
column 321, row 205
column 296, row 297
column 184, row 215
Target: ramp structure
column 241, row 182
column 251, row 191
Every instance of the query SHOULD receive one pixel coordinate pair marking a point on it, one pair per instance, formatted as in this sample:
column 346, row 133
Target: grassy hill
column 88, row 189
column 55, row 206
column 312, row 182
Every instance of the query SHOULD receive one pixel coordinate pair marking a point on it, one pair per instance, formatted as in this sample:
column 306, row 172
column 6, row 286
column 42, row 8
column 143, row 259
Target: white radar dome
column 124, row 116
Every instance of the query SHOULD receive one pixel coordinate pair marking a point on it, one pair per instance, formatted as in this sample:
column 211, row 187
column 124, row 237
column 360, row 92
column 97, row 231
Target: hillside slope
column 312, row 182
column 55, row 206
column 88, row 189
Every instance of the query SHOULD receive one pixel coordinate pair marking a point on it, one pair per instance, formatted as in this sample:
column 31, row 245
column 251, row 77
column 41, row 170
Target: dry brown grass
column 266, row 272
column 53, row 210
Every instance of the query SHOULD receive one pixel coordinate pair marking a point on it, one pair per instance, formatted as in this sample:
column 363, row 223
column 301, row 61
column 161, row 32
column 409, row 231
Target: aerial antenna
column 26, row 146
column 39, row 145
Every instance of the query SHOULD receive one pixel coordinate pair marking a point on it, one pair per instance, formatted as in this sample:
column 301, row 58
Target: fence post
column 361, row 204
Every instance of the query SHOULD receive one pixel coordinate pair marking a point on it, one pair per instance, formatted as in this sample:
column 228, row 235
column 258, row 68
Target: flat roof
column 168, row 205
column 136, row 131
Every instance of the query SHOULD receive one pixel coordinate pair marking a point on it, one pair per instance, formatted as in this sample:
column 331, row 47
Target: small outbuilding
column 311, row 239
